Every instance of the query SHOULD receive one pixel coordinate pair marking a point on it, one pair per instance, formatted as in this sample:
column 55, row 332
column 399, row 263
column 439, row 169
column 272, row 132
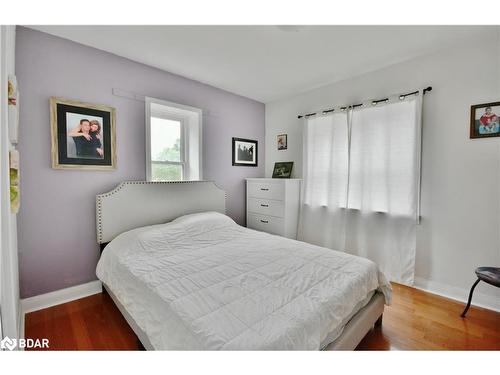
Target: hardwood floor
column 91, row 323
column 416, row 320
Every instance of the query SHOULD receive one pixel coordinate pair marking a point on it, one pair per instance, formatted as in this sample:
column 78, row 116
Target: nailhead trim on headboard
column 100, row 197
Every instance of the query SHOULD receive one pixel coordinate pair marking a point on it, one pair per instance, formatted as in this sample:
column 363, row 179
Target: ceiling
column 268, row 63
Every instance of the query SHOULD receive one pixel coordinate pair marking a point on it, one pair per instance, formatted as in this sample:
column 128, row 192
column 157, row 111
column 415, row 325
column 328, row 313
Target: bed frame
column 134, row 204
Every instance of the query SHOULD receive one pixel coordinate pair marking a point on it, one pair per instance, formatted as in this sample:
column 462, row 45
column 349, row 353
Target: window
column 167, row 158
column 370, row 165
column 361, row 183
column 173, row 141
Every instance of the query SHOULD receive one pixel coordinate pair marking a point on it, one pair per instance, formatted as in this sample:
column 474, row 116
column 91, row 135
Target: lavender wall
column 56, row 226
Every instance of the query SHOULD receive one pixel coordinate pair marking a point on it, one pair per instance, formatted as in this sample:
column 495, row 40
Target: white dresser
column 273, row 205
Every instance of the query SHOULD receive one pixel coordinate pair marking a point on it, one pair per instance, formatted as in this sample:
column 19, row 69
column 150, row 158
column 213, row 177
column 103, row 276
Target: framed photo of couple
column 83, row 135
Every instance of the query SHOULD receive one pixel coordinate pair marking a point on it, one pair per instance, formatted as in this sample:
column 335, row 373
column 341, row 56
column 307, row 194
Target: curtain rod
column 375, row 102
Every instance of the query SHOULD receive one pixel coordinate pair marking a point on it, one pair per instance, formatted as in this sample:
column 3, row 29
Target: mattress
column 202, row 282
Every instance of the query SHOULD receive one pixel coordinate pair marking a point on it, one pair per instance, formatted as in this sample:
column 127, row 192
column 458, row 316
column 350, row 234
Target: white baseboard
column 458, row 294
column 60, row 296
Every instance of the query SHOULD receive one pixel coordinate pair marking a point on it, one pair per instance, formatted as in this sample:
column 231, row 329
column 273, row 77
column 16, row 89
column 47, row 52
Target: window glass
column 166, row 172
column 165, row 140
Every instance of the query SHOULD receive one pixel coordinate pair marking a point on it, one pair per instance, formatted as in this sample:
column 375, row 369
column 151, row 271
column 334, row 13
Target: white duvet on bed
column 204, row 282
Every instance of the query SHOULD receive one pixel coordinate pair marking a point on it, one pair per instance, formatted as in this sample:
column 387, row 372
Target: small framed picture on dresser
column 245, row 152
column 283, row 169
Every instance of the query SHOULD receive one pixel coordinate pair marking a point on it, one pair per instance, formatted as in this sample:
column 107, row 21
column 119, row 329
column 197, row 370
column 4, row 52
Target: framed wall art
column 484, row 120
column 282, row 141
column 83, row 135
column 245, row 152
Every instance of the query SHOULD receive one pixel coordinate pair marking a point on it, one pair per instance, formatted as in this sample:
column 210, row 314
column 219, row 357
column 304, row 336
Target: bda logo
column 8, row 343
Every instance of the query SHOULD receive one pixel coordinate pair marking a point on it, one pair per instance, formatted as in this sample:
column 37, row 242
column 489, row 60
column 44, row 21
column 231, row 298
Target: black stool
column 490, row 275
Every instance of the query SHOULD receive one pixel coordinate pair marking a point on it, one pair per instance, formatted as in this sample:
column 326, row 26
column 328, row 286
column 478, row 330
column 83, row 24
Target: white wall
column 9, row 256
column 461, row 177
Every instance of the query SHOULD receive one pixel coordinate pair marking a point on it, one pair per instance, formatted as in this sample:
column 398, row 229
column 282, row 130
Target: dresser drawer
column 269, row 224
column 266, row 207
column 266, row 189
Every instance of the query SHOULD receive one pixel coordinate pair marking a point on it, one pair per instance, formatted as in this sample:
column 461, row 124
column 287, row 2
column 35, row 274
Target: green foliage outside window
column 167, row 172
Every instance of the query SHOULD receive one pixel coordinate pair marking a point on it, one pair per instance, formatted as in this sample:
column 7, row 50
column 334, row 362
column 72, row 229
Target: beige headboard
column 134, row 204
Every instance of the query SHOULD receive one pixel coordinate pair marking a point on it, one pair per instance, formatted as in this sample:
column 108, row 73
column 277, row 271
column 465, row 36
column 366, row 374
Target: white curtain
column 362, row 181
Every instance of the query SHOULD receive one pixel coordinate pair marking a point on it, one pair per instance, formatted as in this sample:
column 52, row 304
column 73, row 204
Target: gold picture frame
column 83, row 135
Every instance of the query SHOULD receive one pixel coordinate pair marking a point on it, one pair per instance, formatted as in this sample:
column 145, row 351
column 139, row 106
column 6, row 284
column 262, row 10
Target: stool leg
column 470, row 298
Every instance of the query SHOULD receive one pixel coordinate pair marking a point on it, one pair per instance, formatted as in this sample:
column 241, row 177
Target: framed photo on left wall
column 83, row 135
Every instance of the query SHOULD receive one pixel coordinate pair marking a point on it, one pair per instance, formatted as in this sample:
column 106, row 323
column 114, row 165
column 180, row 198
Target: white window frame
column 183, row 114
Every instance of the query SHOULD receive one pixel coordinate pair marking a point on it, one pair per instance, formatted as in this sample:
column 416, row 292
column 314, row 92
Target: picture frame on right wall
column 484, row 120
column 281, row 140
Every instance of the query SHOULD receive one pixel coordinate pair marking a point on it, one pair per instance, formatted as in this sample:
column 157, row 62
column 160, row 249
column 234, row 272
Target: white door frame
column 9, row 287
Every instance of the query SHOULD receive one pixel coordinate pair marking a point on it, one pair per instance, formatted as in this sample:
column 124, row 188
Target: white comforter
column 204, row 282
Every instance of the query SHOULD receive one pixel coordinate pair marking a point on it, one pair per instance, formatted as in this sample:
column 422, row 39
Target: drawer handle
column 264, row 189
column 264, row 205
column 264, row 221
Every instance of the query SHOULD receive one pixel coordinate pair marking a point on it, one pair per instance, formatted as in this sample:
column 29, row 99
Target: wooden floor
column 415, row 321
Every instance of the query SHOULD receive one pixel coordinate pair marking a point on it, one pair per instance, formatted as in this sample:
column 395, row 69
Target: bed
column 187, row 277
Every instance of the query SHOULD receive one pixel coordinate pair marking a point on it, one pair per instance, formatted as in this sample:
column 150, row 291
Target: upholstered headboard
column 134, row 204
